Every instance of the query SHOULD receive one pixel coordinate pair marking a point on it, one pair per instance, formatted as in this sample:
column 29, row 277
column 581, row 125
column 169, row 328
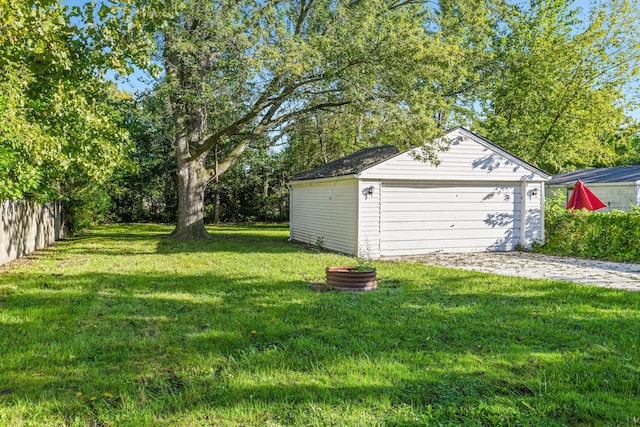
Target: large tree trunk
column 193, row 178
column 192, row 181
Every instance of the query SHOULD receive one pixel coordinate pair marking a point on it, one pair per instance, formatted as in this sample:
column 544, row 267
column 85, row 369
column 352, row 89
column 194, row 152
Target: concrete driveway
column 537, row 266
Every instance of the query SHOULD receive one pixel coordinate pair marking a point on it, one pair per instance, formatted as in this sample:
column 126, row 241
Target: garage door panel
column 429, row 218
column 446, row 206
column 447, row 245
column 450, row 228
column 389, row 218
column 408, row 187
column 470, row 198
column 448, row 234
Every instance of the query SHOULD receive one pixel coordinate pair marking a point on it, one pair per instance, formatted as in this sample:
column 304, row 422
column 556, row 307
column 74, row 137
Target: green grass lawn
column 123, row 327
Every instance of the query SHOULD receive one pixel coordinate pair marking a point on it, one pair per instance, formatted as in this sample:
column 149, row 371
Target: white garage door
column 424, row 218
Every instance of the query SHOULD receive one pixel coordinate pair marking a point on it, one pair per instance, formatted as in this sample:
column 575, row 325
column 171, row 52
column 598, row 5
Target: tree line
column 247, row 93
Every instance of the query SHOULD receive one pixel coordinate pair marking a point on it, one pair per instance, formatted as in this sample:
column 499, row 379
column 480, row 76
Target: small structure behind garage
column 380, row 203
column 618, row 188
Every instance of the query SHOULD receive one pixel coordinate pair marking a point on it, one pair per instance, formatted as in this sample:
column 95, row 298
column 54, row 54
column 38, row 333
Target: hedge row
column 613, row 236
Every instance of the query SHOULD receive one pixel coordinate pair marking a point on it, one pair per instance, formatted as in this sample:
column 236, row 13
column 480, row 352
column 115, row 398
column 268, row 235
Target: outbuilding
column 618, row 188
column 380, row 203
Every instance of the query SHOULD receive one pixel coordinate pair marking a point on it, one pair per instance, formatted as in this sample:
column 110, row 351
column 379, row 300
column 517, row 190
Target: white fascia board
column 329, row 179
column 598, row 184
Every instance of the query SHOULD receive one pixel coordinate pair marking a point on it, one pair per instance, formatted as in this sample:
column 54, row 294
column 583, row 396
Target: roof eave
column 325, row 179
column 592, row 184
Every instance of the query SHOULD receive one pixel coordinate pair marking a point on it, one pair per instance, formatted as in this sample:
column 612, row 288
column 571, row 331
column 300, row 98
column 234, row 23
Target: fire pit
column 351, row 278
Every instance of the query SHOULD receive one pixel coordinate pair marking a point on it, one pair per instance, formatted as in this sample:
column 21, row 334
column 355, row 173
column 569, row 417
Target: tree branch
column 321, row 106
column 263, row 102
column 235, row 154
column 305, row 6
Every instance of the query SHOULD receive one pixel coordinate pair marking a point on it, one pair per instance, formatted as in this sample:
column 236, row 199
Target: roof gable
column 500, row 150
column 598, row 175
column 469, row 156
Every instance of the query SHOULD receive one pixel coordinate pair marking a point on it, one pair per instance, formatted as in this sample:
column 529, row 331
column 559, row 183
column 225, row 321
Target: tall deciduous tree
column 59, row 123
column 558, row 96
column 238, row 70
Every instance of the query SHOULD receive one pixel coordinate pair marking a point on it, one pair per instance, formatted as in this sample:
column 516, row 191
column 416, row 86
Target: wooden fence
column 26, row 226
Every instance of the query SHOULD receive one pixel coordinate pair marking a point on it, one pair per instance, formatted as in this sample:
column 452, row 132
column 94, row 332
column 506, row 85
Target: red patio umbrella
column 583, row 198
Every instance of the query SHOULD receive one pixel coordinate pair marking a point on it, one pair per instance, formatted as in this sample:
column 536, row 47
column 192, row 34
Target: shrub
column 611, row 236
column 85, row 208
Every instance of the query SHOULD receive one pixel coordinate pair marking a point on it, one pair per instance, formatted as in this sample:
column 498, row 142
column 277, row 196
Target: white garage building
column 381, row 203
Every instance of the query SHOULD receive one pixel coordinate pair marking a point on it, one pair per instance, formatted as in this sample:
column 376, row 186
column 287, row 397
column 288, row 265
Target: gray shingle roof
column 598, row 175
column 352, row 164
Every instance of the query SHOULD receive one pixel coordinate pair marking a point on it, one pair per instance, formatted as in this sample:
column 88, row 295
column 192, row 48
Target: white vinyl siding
column 369, row 224
column 623, row 196
column 418, row 218
column 533, row 213
column 325, row 213
column 467, row 159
